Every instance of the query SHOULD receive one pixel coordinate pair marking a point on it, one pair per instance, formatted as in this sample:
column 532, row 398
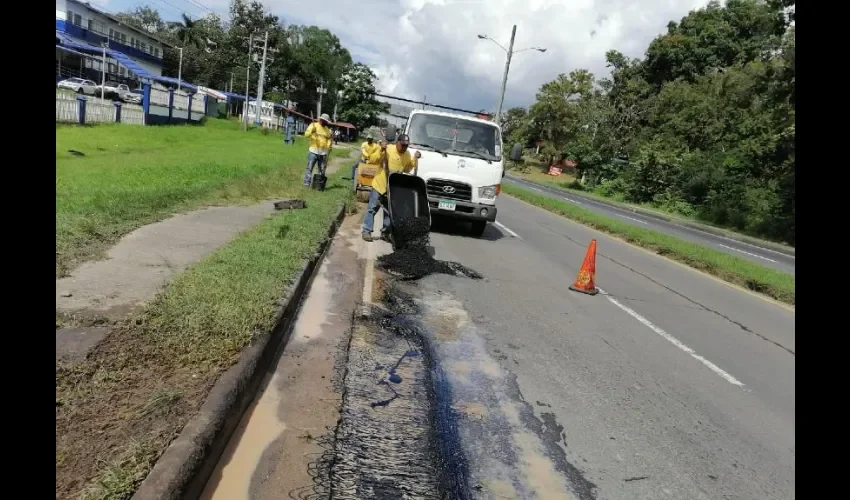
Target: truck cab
column 462, row 164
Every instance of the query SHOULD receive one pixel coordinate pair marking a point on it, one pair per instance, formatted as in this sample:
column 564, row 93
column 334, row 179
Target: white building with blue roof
column 83, row 29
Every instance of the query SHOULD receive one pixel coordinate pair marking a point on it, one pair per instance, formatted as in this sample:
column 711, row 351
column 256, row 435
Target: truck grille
column 462, row 192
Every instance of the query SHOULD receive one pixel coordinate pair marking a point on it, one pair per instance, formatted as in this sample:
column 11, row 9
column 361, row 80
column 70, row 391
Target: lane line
column 636, row 220
column 673, row 340
column 506, row 228
column 573, row 201
column 747, row 253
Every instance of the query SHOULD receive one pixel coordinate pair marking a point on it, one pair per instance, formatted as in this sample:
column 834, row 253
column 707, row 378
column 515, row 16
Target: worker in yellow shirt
column 321, row 144
column 393, row 159
column 370, row 153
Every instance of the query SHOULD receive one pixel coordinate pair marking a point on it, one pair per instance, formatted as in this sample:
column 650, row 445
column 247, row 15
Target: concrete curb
column 184, row 469
column 770, row 245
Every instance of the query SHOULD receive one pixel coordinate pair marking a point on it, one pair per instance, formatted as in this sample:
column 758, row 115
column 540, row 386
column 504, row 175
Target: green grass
column 132, row 176
column 566, row 182
column 118, row 410
column 149, row 377
column 776, row 284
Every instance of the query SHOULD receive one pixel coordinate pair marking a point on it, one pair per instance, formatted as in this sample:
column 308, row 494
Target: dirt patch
column 115, row 399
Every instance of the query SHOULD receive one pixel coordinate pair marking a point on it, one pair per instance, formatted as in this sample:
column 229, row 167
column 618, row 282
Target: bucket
column 318, row 182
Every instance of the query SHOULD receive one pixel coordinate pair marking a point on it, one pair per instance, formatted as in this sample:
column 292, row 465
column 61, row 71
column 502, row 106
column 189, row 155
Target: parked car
column 113, row 90
column 78, row 85
column 133, row 97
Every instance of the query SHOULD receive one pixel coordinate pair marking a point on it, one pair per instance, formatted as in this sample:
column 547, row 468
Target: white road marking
column 573, row 201
column 748, row 253
column 506, row 228
column 673, row 340
column 632, row 218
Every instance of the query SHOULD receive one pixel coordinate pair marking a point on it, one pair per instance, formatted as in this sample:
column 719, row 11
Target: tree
column 144, row 18
column 514, row 126
column 714, row 37
column 357, row 104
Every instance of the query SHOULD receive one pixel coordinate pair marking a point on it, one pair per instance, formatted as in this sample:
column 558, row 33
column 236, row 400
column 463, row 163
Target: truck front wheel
column 478, row 227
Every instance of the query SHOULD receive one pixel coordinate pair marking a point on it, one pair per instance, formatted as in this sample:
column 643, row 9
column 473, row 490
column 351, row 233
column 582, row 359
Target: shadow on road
column 445, row 225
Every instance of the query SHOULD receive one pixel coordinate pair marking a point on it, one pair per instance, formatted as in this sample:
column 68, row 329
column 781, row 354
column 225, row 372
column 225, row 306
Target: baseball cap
column 403, row 139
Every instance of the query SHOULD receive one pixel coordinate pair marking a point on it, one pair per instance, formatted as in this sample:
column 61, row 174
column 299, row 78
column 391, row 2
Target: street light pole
column 180, row 68
column 103, row 73
column 505, row 76
column 509, row 54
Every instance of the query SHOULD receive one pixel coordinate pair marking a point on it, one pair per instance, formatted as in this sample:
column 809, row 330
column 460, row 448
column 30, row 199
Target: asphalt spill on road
column 384, row 444
column 411, row 260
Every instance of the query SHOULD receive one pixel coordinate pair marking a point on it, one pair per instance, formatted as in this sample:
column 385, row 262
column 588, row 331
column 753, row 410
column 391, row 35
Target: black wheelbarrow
column 410, row 214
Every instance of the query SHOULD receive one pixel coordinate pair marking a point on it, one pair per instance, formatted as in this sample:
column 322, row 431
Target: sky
column 430, row 49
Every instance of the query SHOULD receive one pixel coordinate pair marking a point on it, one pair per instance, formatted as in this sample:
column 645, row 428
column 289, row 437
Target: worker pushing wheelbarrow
column 364, row 171
column 395, row 160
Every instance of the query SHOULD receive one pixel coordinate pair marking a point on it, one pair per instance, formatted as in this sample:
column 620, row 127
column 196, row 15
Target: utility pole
column 248, row 80
column 505, row 77
column 260, row 81
column 509, row 52
column 231, row 82
column 103, row 73
column 180, row 68
column 336, row 102
column 321, row 90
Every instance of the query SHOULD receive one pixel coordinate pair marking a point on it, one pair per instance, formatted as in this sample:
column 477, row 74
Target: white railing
column 67, row 110
column 159, row 97
column 98, row 111
column 181, row 100
column 198, row 104
column 133, row 114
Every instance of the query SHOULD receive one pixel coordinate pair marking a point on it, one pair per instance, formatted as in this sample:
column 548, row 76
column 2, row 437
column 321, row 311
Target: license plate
column 446, row 205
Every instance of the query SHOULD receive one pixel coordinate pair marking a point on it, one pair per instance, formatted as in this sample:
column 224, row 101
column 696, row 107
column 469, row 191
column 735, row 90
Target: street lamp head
column 483, row 37
column 541, row 50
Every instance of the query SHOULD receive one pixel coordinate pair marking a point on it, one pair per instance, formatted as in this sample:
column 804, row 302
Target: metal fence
column 159, row 97
column 74, row 109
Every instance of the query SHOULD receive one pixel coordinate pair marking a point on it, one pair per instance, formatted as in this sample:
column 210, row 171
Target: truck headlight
column 489, row 192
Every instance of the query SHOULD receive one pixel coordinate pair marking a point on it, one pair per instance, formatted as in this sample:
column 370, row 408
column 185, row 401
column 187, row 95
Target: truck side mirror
column 516, row 152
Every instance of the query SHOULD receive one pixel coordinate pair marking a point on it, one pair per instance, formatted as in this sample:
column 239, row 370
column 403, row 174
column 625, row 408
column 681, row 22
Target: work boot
column 367, row 236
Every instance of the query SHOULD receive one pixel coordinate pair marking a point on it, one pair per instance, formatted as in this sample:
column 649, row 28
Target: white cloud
column 429, row 47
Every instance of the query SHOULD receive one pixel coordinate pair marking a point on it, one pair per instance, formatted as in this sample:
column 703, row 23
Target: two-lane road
column 670, row 384
column 761, row 255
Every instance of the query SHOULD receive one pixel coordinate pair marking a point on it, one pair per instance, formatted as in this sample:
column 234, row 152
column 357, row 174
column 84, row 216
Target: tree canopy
column 705, row 121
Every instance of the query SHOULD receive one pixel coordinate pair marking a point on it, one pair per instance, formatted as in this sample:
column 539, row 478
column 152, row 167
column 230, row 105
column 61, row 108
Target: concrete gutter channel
column 770, row 245
column 183, row 470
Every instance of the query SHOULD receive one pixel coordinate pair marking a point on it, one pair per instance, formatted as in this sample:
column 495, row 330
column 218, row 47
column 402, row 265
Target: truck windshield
column 456, row 135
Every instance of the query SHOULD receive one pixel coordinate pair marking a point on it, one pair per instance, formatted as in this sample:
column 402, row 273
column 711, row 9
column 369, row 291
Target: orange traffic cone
column 585, row 282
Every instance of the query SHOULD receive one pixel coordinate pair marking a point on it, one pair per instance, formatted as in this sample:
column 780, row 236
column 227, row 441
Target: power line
column 199, row 4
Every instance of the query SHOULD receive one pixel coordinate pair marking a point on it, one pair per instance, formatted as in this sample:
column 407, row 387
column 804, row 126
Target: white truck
column 462, row 164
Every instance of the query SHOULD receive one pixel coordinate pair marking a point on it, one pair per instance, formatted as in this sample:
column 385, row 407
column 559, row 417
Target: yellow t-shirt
column 320, row 138
column 396, row 162
column 370, row 154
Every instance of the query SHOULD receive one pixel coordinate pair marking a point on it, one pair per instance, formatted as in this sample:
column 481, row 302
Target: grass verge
column 112, row 179
column 566, row 182
column 775, row 284
column 117, row 411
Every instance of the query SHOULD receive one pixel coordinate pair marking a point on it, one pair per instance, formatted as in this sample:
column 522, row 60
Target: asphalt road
column 765, row 256
column 668, row 385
